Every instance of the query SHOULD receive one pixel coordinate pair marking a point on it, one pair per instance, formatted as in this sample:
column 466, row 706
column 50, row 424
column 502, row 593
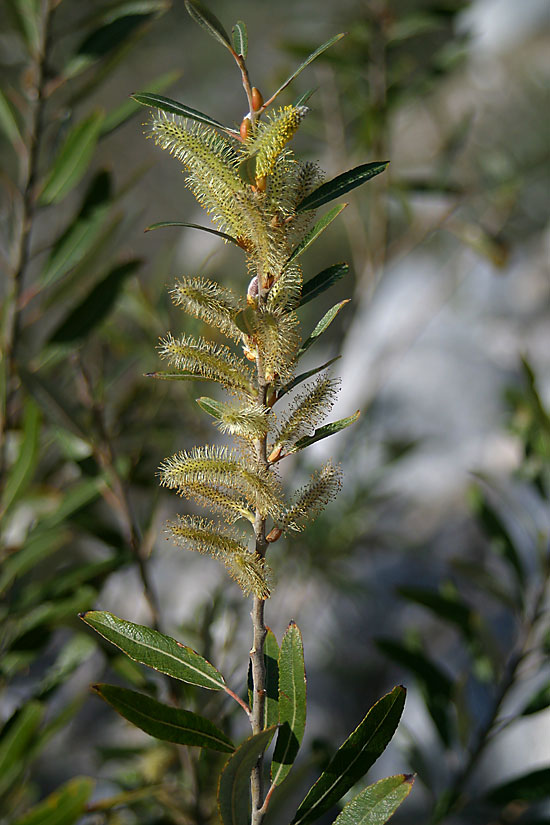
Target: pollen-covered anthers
column 222, row 470
column 209, row 302
column 323, row 487
column 209, row 360
column 249, row 422
column 268, row 138
column 286, row 291
column 277, row 339
column 307, row 411
column 251, row 572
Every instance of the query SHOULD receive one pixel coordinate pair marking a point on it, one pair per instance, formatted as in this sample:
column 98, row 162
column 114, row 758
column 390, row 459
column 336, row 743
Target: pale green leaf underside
column 377, row 803
column 240, row 38
column 341, row 184
column 324, row 432
column 233, row 788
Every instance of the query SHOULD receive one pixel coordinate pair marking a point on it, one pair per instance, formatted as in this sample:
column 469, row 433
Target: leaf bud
column 274, row 534
column 244, row 128
column 257, row 99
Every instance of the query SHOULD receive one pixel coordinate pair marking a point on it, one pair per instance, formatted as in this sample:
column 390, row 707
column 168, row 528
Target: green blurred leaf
column 163, row 224
column 323, row 325
column 8, row 121
column 539, row 701
column 449, row 608
column 166, row 104
column 78, row 649
column 63, row 807
column 314, row 233
column 247, row 169
column 81, row 235
column 176, row 376
column 155, row 650
column 302, row 99
column 324, row 280
column 341, row 184
column 21, row 472
column 377, row 803
column 353, row 759
column 37, row 547
column 96, row 305
column 208, row 21
column 73, row 159
column 26, row 15
column 167, row 723
column 240, row 38
column 131, row 107
column 531, row 787
column 233, row 788
column 15, row 738
column 306, row 62
column 292, row 704
column 496, row 530
column 28, row 629
column 303, row 376
column 324, row 432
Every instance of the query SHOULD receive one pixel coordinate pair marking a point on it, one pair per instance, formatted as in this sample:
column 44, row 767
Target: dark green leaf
column 303, row 376
column 314, row 233
column 155, row 650
column 240, row 38
column 448, row 608
column 166, row 104
column 96, row 305
column 354, row 757
column 292, row 704
column 324, row 432
column 377, row 803
column 495, row 528
column 247, row 169
column 22, row 470
column 102, row 40
column 245, row 319
column 65, row 806
column 164, row 722
column 540, row 701
column 324, row 280
column 163, row 224
column 306, row 62
column 73, row 159
column 341, row 184
column 208, row 21
column 16, row 737
column 323, row 324
column 130, row 107
column 531, row 787
column 271, row 657
column 233, row 788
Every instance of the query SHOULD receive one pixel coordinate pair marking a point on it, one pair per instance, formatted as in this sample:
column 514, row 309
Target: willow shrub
column 263, row 199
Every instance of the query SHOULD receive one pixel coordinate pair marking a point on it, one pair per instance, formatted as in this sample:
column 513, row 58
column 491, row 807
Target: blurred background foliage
column 432, row 568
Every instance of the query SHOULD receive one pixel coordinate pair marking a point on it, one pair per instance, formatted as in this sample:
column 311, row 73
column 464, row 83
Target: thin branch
column 240, row 701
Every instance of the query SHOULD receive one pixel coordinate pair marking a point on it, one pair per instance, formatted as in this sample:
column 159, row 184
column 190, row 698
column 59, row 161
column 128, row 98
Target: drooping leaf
column 324, row 280
column 20, row 473
column 292, row 704
column 167, row 723
column 303, row 376
column 377, row 803
column 531, row 787
column 354, row 757
column 128, row 109
column 155, row 650
column 208, row 21
column 65, row 806
column 323, row 325
column 73, row 159
column 540, row 701
column 324, row 432
column 96, row 305
column 314, row 233
column 306, row 62
column 163, row 224
column 341, row 184
column 166, row 104
column 240, row 38
column 271, row 657
column 233, row 788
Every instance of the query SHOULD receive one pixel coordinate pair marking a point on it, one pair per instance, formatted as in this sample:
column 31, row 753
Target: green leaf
column 155, row 650
column 38, row 547
column 271, row 657
column 16, row 737
column 96, row 305
column 208, row 21
column 531, row 787
column 212, row 407
column 324, row 432
column 292, row 704
column 166, row 104
column 324, row 280
column 323, row 324
column 63, row 807
column 341, row 184
column 81, row 235
column 306, row 62
column 495, row 528
column 8, row 121
column 540, row 701
column 377, row 803
column 247, row 169
column 233, row 788
column 302, row 99
column 176, row 376
column 73, row 159
column 130, row 107
column 163, row 224
column 240, row 38
column 314, row 233
column 353, row 759
column 27, row 17
column 22, row 470
column 245, row 319
column 448, row 608
column 164, row 722
column 303, row 376
column 108, row 37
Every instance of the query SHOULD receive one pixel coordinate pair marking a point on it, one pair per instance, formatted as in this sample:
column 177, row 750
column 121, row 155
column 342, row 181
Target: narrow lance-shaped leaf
column 8, row 121
column 233, row 788
column 377, row 803
column 208, row 21
column 303, row 65
column 164, row 224
column 341, row 184
column 73, row 159
column 22, row 470
column 155, row 650
column 303, row 376
column 314, row 233
column 167, row 723
column 530, row 787
column 271, row 658
column 322, row 326
column 166, row 104
column 354, row 757
column 540, row 701
column 292, row 704
column 240, row 38
column 323, row 281
column 65, row 806
column 128, row 108
column 324, row 432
